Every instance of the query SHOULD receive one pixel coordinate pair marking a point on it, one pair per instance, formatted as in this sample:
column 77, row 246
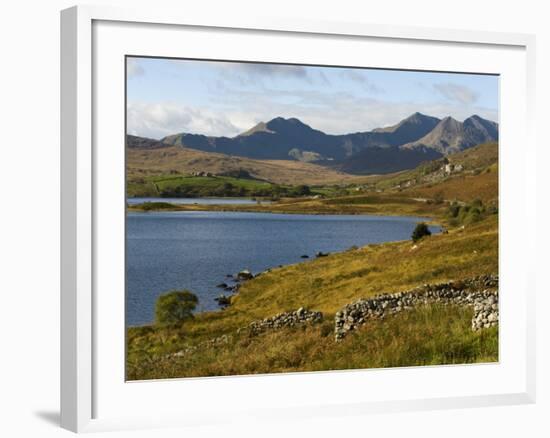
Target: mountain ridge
column 451, row 136
column 406, row 144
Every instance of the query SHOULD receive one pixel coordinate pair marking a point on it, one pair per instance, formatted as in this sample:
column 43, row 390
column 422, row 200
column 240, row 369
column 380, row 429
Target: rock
column 287, row 319
column 245, row 274
column 304, row 256
column 222, row 285
column 223, row 300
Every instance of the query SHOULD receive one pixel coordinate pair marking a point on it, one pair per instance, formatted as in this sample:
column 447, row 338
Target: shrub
column 420, row 231
column 439, row 198
column 175, row 306
column 302, row 190
column 148, row 206
column 477, row 203
column 454, row 210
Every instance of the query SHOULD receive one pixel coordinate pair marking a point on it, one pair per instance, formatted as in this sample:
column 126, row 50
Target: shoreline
column 298, row 263
column 316, row 208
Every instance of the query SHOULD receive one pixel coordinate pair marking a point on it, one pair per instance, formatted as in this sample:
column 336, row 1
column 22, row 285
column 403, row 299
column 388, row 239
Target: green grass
column 153, row 206
column 431, row 335
column 208, row 182
column 222, row 186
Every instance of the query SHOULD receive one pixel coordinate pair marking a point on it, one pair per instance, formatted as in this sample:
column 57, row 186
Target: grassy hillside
column 478, row 157
column 142, row 163
column 463, row 187
column 327, row 284
column 474, row 160
column 432, row 335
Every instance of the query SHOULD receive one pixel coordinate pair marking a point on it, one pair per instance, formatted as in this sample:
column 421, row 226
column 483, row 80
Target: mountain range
column 402, row 146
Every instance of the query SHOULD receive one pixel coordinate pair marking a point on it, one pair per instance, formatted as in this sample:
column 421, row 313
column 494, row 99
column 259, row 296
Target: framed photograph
column 257, row 215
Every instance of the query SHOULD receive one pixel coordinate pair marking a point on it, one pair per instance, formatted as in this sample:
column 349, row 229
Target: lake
column 196, row 250
column 201, row 201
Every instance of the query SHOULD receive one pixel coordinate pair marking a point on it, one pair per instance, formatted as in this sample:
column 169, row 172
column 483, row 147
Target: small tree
column 175, row 306
column 302, row 190
column 420, row 231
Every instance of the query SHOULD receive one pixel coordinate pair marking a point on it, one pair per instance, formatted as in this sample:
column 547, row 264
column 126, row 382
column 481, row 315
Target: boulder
column 245, row 274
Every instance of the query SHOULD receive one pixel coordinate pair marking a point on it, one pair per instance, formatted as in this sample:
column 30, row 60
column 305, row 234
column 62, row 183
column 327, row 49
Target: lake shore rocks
column 223, row 300
column 245, row 274
column 480, row 292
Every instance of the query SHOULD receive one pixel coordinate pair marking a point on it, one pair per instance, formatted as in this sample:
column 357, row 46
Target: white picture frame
column 83, row 371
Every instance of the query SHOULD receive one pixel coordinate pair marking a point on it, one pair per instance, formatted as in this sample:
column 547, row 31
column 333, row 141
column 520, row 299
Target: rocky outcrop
column 480, row 292
column 286, row 319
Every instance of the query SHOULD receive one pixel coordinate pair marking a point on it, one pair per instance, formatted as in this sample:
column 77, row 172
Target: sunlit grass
column 431, row 335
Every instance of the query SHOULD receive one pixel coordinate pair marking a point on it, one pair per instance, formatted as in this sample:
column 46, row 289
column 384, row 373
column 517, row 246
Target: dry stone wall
column 286, row 319
column 480, row 292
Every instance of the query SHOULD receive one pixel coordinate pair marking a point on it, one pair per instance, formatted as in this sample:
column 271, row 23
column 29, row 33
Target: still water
column 196, row 250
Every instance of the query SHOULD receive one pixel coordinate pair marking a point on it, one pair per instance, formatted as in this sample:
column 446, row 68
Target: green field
column 217, row 186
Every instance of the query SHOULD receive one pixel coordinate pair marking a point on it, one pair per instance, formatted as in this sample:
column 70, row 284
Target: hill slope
column 142, row 162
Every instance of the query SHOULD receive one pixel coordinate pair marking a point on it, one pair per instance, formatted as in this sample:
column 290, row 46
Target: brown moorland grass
column 185, row 161
column 464, row 187
column 475, row 159
column 430, row 335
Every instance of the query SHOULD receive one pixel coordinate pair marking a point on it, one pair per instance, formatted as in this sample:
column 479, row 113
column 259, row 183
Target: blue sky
column 168, row 96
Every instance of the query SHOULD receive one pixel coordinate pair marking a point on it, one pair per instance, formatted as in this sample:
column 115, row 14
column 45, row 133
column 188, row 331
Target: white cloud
column 133, row 68
column 335, row 113
column 457, row 93
column 156, row 120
